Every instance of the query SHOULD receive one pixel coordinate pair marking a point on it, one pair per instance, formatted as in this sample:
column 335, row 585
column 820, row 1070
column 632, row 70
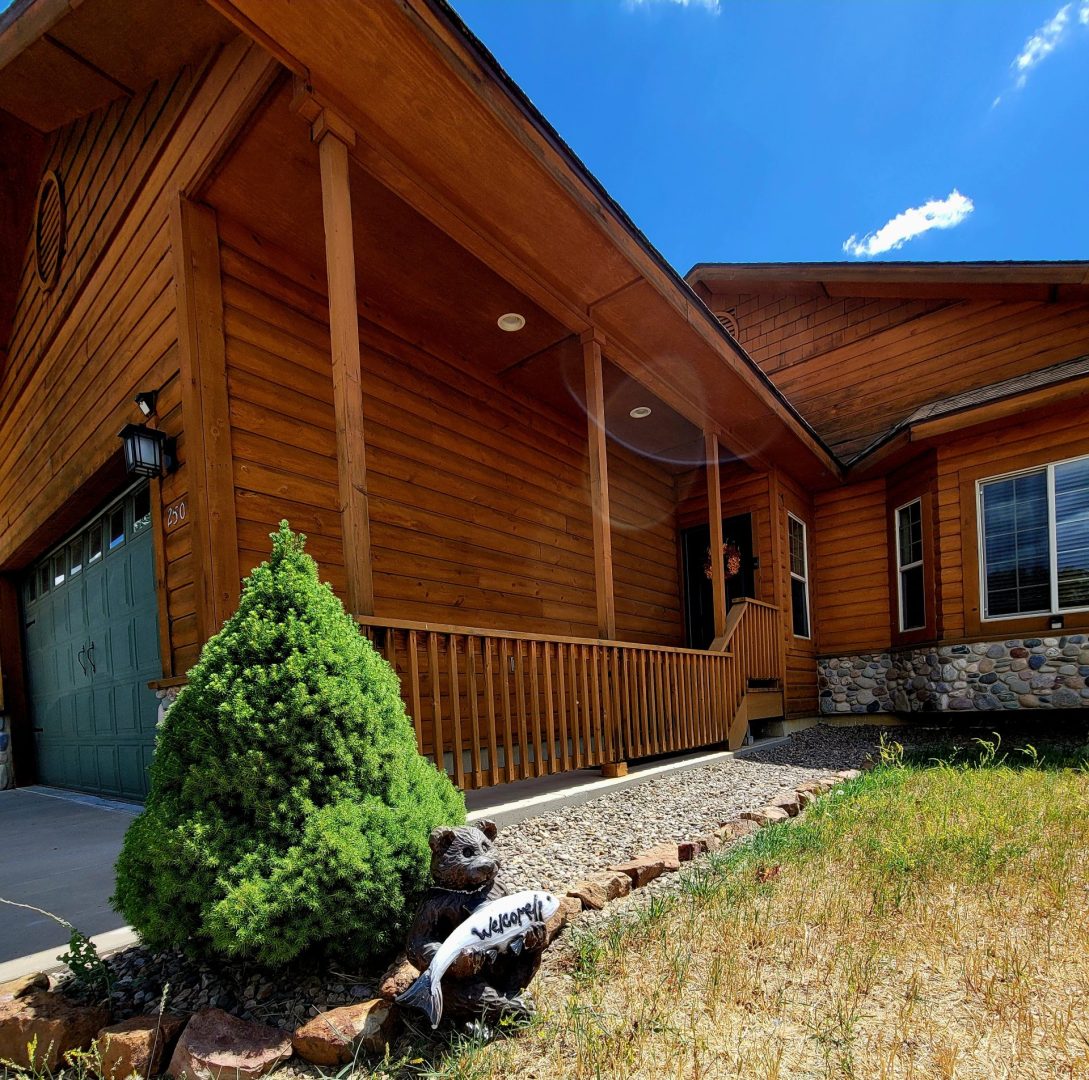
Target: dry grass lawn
column 928, row 920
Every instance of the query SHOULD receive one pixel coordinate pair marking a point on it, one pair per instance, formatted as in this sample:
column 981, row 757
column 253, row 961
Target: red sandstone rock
column 687, row 850
column 216, row 1045
column 140, row 1045
column 766, row 815
column 24, row 985
column 596, row 891
column 730, row 831
column 787, row 801
column 58, row 1024
column 399, row 976
column 570, row 906
column 335, row 1037
column 668, row 854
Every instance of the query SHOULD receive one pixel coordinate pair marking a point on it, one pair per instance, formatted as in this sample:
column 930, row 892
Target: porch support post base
column 613, row 769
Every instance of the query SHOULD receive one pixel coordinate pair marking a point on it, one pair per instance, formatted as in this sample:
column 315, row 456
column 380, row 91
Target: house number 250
column 176, row 514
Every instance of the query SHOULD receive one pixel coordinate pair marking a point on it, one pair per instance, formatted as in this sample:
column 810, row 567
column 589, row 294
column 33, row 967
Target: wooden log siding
column 479, row 503
column 492, row 707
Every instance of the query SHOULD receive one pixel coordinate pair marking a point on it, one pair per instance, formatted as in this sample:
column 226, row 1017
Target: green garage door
column 92, row 645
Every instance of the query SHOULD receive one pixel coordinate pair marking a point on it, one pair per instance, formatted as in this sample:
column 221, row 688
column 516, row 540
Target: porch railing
column 494, row 706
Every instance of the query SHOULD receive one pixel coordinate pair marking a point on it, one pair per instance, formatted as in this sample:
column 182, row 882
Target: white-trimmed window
column 909, row 565
column 1034, row 541
column 799, row 576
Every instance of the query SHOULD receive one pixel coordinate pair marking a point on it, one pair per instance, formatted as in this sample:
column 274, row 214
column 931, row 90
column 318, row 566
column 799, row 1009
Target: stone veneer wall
column 1027, row 673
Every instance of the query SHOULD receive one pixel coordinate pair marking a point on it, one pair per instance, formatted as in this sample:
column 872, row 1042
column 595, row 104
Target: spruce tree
column 289, row 809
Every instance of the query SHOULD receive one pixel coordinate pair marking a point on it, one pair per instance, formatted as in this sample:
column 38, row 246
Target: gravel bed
column 553, row 850
column 562, row 846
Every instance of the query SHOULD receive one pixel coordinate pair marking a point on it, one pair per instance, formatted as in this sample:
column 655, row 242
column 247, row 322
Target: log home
column 330, row 265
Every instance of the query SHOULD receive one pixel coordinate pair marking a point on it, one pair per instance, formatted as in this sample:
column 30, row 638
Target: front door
column 699, row 596
column 92, row 645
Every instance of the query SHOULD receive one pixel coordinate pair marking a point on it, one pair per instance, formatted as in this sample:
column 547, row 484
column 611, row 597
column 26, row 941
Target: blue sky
column 763, row 131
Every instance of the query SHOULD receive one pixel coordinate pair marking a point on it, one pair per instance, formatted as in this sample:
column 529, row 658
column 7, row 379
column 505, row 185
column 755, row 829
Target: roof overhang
column 61, row 59
column 925, row 428
column 439, row 122
column 1041, row 281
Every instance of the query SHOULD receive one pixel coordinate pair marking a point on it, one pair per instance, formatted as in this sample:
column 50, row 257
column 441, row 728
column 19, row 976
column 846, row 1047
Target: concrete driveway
column 58, row 851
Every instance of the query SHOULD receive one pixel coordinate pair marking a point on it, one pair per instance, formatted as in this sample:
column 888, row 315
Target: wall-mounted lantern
column 147, row 452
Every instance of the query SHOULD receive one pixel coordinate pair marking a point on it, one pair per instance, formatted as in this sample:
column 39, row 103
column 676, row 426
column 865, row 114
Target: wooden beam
column 333, row 137
column 203, row 371
column 599, row 485
column 714, row 519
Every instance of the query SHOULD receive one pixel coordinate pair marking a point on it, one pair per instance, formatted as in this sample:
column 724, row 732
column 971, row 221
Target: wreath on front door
column 731, row 556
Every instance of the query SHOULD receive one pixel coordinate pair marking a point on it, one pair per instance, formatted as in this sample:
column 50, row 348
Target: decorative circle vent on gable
column 729, row 320
column 49, row 231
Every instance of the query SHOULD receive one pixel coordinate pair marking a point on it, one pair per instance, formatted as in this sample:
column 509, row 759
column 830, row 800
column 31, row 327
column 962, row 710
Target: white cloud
column 933, row 214
column 1043, row 43
column 1083, row 13
column 708, row 5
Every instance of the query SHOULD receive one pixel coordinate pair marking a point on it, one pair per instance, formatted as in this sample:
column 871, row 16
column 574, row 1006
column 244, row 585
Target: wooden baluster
column 573, row 657
column 488, row 645
column 687, row 740
column 550, row 717
column 535, row 708
column 648, row 739
column 508, row 721
column 474, row 709
column 414, row 683
column 609, row 741
column 433, row 671
column 598, row 725
column 561, row 696
column 589, row 709
column 524, row 768
column 675, row 698
column 631, row 732
column 660, row 698
column 535, row 701
column 455, row 708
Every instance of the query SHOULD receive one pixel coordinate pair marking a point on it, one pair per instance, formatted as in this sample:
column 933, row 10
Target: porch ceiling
column 444, row 128
column 418, row 281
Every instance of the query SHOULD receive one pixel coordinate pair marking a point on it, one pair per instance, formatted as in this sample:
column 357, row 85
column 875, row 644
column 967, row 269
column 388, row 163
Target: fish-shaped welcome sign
column 494, row 926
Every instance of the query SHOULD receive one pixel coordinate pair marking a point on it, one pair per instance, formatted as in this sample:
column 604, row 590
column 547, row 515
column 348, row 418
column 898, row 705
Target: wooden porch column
column 203, row 370
column 334, row 137
column 714, row 519
column 599, row 485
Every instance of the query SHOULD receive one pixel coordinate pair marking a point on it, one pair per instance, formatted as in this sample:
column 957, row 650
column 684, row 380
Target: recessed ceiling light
column 511, row 321
column 639, row 412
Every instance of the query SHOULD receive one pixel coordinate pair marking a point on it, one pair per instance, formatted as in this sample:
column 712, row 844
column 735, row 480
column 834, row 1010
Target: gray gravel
column 562, row 846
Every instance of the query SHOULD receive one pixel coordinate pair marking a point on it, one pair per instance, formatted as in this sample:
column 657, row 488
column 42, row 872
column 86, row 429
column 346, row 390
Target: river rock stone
column 336, row 1036
column 58, row 1024
column 215, row 1045
column 139, row 1045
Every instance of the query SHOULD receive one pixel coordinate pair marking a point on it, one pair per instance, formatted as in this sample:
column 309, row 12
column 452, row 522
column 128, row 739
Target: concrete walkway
column 60, row 848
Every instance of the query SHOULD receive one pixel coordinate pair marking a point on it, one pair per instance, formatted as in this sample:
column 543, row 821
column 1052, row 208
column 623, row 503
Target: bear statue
column 464, row 874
